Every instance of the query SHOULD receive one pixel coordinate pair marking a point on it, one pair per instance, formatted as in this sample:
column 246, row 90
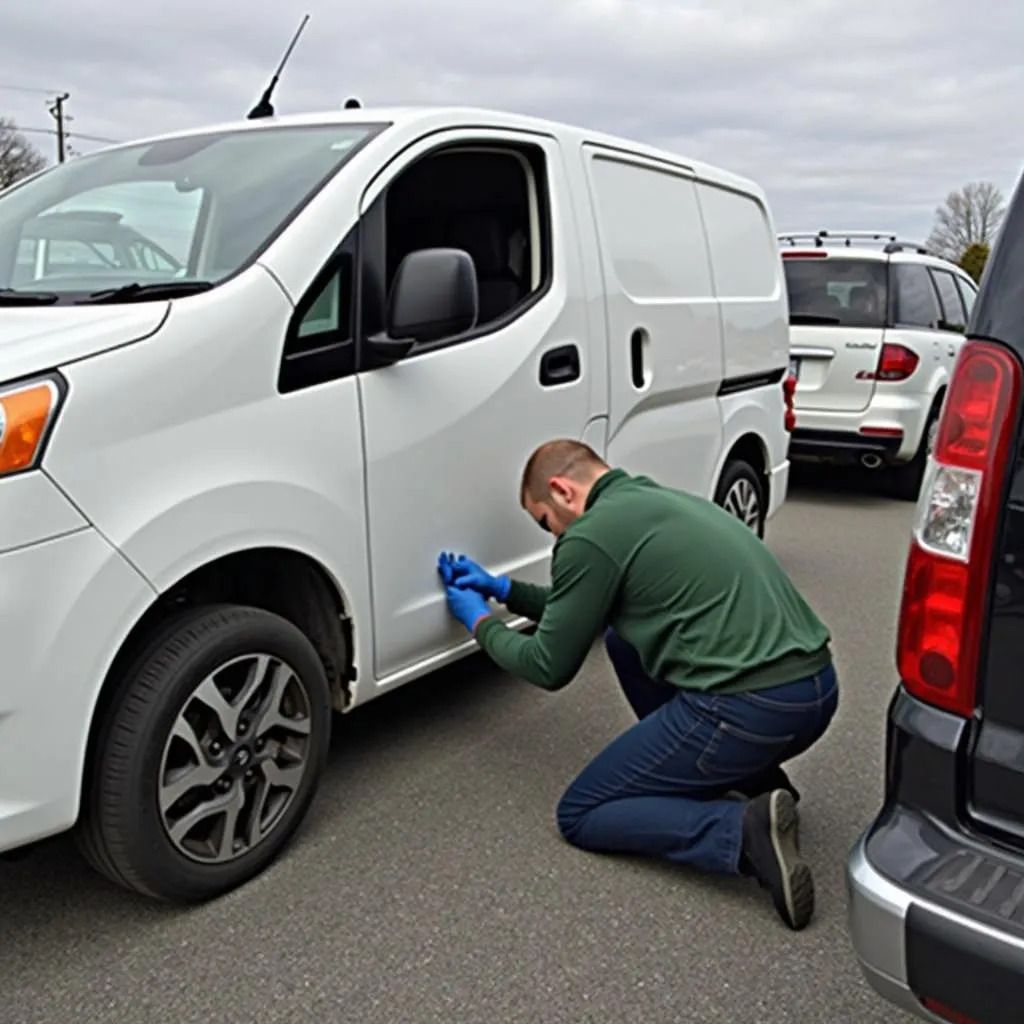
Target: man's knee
column 570, row 814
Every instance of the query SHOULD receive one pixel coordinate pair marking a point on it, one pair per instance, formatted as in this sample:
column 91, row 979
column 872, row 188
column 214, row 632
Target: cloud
column 849, row 114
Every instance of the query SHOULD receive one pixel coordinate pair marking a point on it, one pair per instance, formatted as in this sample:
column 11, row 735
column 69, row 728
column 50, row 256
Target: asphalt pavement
column 430, row 886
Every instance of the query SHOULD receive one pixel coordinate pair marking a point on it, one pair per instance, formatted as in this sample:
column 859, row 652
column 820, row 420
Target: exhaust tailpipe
column 869, row 460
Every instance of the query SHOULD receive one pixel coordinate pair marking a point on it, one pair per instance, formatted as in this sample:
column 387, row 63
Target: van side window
column 916, row 303
column 953, row 312
column 320, row 342
column 490, row 200
column 330, row 315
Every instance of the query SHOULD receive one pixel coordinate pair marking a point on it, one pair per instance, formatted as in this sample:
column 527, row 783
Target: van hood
column 37, row 338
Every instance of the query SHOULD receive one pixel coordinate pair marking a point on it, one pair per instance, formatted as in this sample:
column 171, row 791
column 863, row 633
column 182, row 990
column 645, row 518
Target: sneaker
column 771, row 853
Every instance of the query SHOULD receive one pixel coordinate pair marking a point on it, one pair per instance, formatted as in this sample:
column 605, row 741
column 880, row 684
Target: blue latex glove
column 446, row 568
column 467, row 606
column 468, row 574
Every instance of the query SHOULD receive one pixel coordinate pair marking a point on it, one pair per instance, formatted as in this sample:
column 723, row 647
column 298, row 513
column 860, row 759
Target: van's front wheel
column 210, row 755
column 740, row 492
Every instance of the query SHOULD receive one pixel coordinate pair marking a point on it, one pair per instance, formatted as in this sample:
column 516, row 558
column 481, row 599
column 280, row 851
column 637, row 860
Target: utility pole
column 57, row 111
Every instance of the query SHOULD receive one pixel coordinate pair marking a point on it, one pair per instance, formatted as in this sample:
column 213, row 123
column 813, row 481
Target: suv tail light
column 788, row 390
column 895, row 362
column 947, row 572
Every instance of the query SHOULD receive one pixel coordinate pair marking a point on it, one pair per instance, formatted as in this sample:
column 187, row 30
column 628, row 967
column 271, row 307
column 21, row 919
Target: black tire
column 740, row 478
column 121, row 833
column 904, row 482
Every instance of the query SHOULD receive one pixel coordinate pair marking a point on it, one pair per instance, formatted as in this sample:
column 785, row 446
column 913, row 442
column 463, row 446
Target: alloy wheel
column 741, row 501
column 235, row 758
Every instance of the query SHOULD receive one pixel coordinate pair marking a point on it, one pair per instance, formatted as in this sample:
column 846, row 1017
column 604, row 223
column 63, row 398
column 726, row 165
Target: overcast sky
column 850, row 114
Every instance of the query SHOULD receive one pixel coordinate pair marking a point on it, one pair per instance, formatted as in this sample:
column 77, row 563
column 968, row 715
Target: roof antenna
column 264, row 108
column 352, row 103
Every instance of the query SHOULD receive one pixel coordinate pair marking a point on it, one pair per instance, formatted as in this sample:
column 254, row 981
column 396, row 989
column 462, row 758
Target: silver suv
column 876, row 324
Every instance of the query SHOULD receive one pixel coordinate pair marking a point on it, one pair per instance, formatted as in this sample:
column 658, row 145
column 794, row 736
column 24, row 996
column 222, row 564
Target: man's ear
column 557, row 489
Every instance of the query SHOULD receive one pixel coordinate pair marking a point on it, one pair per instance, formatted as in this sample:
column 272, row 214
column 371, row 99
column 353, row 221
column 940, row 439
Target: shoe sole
column 797, row 882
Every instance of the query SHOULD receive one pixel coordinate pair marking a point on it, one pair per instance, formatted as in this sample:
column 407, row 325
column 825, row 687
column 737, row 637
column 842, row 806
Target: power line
column 28, row 89
column 68, row 135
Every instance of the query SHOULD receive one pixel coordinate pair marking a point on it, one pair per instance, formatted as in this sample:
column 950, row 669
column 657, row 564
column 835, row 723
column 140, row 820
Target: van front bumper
column 65, row 605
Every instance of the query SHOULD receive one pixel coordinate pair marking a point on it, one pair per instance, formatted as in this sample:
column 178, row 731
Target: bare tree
column 969, row 216
column 18, row 157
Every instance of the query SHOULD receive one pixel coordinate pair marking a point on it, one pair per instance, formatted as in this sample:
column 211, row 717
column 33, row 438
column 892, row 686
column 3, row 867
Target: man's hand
column 467, row 606
column 469, row 575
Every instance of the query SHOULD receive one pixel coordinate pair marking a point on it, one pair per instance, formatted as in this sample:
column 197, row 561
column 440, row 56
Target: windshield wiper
column 812, row 318
column 13, row 297
column 136, row 290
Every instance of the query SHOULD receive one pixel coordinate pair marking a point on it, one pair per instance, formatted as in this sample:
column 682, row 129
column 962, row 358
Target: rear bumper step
column 921, row 954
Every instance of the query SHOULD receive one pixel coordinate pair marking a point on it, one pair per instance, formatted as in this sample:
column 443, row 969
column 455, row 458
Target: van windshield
column 836, row 291
column 165, row 217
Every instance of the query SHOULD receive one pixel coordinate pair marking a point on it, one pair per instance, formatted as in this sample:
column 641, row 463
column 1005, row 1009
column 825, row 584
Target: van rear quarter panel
column 179, row 450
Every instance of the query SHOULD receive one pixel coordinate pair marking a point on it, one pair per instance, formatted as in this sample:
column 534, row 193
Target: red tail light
column 896, row 363
column 947, row 573
column 788, row 390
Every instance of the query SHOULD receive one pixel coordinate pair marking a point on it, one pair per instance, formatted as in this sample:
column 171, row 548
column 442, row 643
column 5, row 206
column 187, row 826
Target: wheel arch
column 281, row 580
column 750, row 448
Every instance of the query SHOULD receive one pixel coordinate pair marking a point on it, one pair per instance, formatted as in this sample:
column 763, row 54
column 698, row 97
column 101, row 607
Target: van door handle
column 560, row 366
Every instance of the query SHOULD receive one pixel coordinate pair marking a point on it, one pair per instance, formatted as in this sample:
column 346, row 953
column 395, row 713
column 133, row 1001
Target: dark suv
column 936, row 884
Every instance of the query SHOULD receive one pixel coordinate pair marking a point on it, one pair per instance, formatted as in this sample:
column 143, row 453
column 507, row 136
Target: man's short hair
column 564, row 457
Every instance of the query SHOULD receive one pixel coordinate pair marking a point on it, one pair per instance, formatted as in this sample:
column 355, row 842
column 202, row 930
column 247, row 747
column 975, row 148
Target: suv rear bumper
column 878, row 914
column 842, row 446
column 907, row 945
column 840, row 436
column 936, row 912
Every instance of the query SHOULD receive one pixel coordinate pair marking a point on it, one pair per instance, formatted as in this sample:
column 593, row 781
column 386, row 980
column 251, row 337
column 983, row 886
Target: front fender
column 179, row 450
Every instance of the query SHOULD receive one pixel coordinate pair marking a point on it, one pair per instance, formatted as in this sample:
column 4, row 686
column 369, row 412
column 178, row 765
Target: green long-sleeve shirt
column 699, row 596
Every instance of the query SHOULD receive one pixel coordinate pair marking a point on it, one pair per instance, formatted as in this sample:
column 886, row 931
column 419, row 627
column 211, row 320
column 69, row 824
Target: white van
column 226, row 471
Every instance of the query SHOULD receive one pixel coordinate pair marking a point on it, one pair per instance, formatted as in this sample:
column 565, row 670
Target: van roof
column 433, row 118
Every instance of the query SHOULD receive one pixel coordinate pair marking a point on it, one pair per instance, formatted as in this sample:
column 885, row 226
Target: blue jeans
column 661, row 788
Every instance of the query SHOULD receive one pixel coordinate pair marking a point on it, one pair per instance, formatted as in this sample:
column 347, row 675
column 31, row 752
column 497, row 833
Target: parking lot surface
column 430, row 885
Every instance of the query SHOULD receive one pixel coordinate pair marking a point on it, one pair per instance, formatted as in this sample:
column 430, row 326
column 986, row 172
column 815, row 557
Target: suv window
column 968, row 294
column 953, row 311
column 835, row 290
column 917, row 304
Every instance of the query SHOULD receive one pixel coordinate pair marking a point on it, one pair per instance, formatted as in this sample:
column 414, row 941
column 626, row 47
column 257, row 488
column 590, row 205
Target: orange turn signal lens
column 25, row 416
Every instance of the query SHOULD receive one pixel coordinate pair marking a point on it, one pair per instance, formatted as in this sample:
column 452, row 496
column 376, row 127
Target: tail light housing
column 895, row 363
column 788, row 391
column 946, row 581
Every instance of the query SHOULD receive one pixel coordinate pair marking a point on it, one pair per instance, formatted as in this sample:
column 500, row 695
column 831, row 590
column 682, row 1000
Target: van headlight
column 27, row 414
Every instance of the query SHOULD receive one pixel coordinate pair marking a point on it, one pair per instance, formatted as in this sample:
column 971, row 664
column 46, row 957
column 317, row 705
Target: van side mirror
column 434, row 295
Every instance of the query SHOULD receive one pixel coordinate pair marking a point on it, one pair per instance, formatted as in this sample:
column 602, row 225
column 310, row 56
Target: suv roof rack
column 893, row 242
